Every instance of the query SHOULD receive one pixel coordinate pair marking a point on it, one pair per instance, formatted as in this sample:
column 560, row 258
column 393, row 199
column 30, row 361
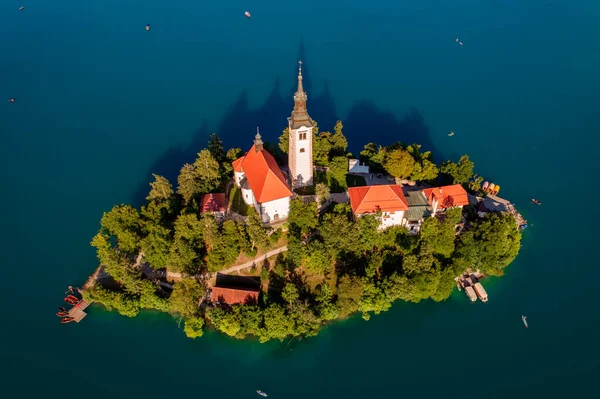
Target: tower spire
column 258, row 143
column 300, row 87
column 299, row 113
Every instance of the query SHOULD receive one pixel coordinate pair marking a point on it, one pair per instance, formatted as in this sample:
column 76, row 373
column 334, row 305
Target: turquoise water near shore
column 101, row 103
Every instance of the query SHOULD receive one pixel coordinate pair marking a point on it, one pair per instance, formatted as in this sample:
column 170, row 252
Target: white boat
column 451, row 134
column 261, row 393
column 524, row 321
column 247, row 14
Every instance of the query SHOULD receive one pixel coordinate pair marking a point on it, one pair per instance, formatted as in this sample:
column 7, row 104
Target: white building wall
column 300, row 156
column 389, row 219
column 238, row 176
column 279, row 207
column 248, row 196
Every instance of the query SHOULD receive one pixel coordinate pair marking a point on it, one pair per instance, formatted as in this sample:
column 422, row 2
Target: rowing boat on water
column 525, row 321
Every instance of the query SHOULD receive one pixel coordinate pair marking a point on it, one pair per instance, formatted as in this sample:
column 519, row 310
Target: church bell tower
column 300, row 125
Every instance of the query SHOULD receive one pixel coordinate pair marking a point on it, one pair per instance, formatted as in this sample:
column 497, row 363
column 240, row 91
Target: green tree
column 373, row 299
column 459, row 172
column 327, row 309
column 440, row 233
column 244, row 239
column 490, row 245
column 215, row 147
column 188, row 227
column 290, row 294
column 185, row 297
column 193, row 327
column 399, row 163
column 305, row 216
column 339, row 234
column 349, row 291
column 284, row 140
column 206, row 169
column 321, row 148
column 367, row 230
column 156, row 247
column 339, row 169
column 161, row 189
column 123, row 222
column 233, row 154
column 277, row 325
column 316, row 257
column 475, row 183
column 211, row 232
column 256, row 231
column 399, row 287
column 182, row 256
column 322, row 191
column 339, row 143
column 186, row 183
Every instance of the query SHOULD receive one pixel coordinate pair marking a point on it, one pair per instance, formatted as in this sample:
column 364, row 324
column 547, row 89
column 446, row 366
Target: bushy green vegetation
column 336, row 264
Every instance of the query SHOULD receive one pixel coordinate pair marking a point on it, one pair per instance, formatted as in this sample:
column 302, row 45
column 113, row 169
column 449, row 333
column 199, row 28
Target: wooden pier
column 77, row 311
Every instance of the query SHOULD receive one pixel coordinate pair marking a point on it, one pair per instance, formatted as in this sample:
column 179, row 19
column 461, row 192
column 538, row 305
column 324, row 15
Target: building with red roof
column 387, row 199
column 262, row 183
column 446, row 197
column 214, row 203
column 233, row 296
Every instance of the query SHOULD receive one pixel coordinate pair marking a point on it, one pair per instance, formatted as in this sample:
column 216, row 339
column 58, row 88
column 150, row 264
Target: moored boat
column 261, row 393
column 485, row 185
column 66, row 320
column 71, row 301
column 496, row 189
column 491, row 188
column 62, row 314
column 62, row 309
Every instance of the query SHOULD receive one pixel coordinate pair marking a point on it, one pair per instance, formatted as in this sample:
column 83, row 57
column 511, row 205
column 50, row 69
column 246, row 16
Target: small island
column 282, row 239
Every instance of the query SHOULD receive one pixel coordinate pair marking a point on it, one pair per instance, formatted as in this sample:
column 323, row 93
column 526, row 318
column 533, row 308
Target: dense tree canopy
column 336, row 264
column 399, row 163
column 459, row 172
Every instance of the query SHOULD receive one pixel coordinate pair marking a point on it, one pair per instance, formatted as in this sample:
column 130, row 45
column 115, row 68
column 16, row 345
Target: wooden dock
column 77, row 311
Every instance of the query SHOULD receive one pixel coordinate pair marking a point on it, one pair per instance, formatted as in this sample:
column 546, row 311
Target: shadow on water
column 365, row 122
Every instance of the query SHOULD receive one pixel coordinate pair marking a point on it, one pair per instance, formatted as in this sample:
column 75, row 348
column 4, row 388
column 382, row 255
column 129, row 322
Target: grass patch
column 236, row 202
column 355, row 181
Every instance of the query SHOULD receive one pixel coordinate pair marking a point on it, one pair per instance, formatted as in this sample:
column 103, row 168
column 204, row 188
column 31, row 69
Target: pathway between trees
column 273, row 252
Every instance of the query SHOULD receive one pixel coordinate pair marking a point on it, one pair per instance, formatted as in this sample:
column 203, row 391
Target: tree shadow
column 368, row 123
column 365, row 122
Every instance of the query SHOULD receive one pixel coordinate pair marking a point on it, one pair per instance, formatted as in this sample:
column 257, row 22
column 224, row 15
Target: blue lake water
column 101, row 104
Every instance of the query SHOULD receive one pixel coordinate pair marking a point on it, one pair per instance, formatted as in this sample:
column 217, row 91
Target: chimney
column 258, row 143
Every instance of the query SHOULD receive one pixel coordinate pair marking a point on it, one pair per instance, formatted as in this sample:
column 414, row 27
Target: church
column 260, row 179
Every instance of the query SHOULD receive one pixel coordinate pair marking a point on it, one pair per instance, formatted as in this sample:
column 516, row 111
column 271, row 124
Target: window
column 301, row 149
column 302, row 136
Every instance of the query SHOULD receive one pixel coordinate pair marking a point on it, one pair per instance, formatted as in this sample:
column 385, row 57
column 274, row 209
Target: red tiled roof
column 237, row 164
column 447, row 196
column 213, row 203
column 370, row 199
column 232, row 296
column 263, row 175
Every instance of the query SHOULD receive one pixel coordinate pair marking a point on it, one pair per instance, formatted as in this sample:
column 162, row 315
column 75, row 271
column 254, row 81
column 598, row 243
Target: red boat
column 536, row 201
column 71, row 301
column 62, row 314
column 66, row 320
